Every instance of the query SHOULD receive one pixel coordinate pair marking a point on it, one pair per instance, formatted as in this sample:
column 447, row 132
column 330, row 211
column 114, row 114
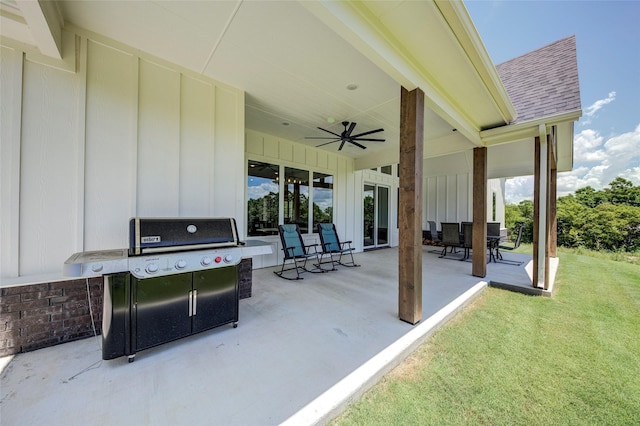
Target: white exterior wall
column 124, row 135
column 448, row 190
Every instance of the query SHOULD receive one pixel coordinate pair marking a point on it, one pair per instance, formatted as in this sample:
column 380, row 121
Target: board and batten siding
column 124, row 134
column 448, row 190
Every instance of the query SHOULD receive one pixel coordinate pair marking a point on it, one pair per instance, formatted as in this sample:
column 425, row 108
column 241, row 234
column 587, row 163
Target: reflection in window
column 322, row 199
column 296, row 198
column 264, row 193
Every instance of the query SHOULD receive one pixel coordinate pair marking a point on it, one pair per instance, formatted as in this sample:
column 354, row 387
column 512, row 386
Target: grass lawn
column 573, row 359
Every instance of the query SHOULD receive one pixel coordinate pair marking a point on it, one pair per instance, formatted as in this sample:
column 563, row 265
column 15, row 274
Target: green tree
column 622, row 191
column 516, row 214
column 570, row 218
column 608, row 219
column 590, row 197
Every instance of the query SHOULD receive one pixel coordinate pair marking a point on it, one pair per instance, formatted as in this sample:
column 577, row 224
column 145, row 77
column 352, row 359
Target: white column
column 542, row 216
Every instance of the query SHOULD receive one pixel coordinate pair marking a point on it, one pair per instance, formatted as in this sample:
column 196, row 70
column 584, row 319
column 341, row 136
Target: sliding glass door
column 376, row 216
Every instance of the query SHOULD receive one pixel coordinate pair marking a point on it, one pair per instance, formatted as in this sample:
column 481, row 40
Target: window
column 386, row 170
column 264, row 194
column 322, row 199
column 493, row 207
column 296, row 198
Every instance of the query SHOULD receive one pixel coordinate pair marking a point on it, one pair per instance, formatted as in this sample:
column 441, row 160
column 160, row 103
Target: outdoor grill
column 178, row 277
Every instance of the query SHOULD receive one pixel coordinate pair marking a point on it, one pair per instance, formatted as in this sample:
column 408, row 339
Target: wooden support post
column 552, row 218
column 410, row 206
column 553, row 211
column 479, row 240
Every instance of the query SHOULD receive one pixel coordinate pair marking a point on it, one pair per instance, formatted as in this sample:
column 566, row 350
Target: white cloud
column 261, row 187
column 596, row 106
column 587, row 146
column 518, row 189
column 596, row 165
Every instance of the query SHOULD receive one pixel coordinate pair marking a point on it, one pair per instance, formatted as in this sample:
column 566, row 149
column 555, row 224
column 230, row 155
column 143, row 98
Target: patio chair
column 467, row 239
column 493, row 229
column 434, row 232
column 450, row 237
column 296, row 252
column 332, row 246
column 516, row 244
column 493, row 239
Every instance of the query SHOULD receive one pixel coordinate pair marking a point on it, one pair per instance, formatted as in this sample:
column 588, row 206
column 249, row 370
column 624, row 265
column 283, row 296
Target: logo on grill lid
column 154, row 239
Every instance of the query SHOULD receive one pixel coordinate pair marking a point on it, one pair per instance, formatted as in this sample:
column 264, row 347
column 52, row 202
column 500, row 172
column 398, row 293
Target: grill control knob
column 181, row 264
column 206, row 261
column 151, row 268
column 97, row 267
column 228, row 258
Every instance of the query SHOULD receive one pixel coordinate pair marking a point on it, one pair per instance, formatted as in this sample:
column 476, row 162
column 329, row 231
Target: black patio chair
column 450, row 237
column 467, row 239
column 493, row 239
column 332, row 246
column 516, row 244
column 296, row 252
column 433, row 229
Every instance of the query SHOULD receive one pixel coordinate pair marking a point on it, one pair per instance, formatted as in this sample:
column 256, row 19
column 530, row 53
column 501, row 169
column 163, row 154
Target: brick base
column 40, row 315
column 36, row 316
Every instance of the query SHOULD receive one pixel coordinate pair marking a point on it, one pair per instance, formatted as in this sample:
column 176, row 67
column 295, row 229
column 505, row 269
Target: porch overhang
column 418, row 44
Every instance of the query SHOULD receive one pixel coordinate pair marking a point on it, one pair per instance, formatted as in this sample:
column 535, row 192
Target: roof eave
column 527, row 129
column 457, row 16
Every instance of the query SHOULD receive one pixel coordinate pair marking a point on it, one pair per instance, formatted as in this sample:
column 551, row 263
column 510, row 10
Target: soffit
column 295, row 66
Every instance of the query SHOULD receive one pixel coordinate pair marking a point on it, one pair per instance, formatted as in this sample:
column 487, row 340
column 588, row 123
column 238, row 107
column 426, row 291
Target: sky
column 607, row 137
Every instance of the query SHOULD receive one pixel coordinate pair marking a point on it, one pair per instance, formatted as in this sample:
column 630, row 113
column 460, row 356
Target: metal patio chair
column 516, row 244
column 467, row 239
column 433, row 229
column 493, row 240
column 296, row 252
column 450, row 237
column 332, row 246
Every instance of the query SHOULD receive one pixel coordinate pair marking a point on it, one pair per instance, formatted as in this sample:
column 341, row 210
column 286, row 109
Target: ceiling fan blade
column 329, row 131
column 368, row 139
column 342, row 144
column 321, row 137
column 327, row 143
column 358, row 145
column 351, row 127
column 367, row 133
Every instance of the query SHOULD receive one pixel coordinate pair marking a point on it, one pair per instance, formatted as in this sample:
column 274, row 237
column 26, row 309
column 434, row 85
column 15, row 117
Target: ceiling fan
column 346, row 136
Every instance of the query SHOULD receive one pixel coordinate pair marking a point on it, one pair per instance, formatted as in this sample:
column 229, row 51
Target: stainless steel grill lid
column 156, row 235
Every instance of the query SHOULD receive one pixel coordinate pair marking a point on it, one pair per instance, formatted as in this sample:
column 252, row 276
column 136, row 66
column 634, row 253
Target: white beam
column 45, row 23
column 542, row 216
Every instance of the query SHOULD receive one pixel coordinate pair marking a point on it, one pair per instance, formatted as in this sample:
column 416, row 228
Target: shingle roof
column 544, row 82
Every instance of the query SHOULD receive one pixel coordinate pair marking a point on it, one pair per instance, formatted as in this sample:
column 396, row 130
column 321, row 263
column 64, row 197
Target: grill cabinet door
column 217, row 297
column 162, row 309
column 116, row 316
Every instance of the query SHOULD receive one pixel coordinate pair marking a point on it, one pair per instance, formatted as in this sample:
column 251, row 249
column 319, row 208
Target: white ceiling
column 295, row 69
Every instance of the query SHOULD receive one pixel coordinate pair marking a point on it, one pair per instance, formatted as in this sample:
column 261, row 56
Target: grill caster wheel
column 235, row 325
column 132, row 358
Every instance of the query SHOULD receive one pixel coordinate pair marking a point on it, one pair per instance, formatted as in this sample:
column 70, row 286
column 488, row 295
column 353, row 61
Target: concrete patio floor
column 302, row 351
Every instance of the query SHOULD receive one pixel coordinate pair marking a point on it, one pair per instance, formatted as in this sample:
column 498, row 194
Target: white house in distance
column 112, row 110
